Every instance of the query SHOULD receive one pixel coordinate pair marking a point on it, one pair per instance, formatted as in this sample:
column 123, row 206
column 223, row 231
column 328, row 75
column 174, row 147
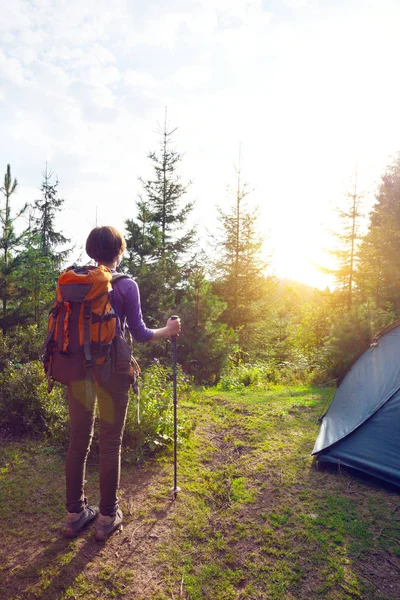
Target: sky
column 308, row 89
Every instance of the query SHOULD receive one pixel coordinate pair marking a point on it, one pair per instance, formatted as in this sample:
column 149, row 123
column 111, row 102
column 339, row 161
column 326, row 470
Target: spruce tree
column 346, row 252
column 43, row 256
column 11, row 260
column 239, row 271
column 159, row 241
column 206, row 343
column 43, row 220
column 378, row 272
column 164, row 195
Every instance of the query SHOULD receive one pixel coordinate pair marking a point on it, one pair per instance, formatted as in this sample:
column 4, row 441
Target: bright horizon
column 307, row 87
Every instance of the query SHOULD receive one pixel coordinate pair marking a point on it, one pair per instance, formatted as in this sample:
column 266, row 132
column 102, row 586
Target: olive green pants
column 112, row 399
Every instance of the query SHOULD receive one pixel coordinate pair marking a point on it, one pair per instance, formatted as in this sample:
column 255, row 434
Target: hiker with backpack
column 86, row 350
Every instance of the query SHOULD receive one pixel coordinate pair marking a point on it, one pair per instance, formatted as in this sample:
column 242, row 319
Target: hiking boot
column 105, row 526
column 86, row 516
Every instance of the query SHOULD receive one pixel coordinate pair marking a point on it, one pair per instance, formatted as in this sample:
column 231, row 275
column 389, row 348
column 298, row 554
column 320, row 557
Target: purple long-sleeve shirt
column 126, row 303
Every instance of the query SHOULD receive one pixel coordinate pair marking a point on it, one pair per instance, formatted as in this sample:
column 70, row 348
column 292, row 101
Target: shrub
column 25, row 405
column 155, row 429
column 26, row 408
column 21, row 345
column 350, row 334
column 244, row 375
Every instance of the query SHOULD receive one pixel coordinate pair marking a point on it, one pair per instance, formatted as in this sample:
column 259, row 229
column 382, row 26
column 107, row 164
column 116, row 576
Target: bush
column 26, row 408
column 249, row 374
column 25, row 405
column 350, row 334
column 21, row 345
column 156, row 426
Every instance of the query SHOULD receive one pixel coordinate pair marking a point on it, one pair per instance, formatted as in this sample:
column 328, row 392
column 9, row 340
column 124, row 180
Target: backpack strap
column 116, row 277
column 86, row 348
column 68, row 311
column 53, row 313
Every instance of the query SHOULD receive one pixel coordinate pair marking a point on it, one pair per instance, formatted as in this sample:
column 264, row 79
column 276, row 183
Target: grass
column 255, row 518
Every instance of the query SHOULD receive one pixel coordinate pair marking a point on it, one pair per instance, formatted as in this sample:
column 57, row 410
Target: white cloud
column 27, row 128
column 31, row 37
column 191, row 76
column 140, row 79
column 15, row 15
column 302, row 3
column 77, row 57
column 51, row 79
column 101, row 76
column 303, row 97
column 11, row 70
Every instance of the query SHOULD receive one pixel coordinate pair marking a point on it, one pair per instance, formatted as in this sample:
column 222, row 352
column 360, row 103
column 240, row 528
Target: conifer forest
column 238, row 319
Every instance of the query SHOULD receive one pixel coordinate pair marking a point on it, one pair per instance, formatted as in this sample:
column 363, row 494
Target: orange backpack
column 82, row 329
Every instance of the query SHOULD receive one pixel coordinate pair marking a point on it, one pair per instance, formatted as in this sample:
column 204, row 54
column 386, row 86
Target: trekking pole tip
column 175, row 491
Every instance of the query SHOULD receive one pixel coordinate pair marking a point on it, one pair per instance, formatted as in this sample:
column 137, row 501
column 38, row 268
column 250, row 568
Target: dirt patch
column 25, row 562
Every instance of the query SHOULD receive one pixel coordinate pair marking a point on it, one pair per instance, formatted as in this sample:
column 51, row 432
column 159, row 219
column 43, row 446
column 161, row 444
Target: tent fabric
column 371, row 382
column 373, row 448
column 361, row 427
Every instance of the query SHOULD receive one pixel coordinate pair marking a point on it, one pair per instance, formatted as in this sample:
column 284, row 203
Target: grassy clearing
column 254, row 520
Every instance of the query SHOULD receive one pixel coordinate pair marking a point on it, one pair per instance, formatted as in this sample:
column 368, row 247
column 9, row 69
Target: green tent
column 361, row 428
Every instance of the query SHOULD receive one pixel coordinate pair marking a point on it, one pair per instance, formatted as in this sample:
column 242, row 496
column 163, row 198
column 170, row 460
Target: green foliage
column 239, row 375
column 312, row 327
column 345, row 253
column 159, row 241
column 25, row 405
column 36, row 280
column 29, row 261
column 26, row 408
column 351, row 333
column 46, row 209
column 285, row 333
column 155, row 429
column 378, row 273
column 239, row 269
column 206, row 343
column 21, row 345
column 10, row 258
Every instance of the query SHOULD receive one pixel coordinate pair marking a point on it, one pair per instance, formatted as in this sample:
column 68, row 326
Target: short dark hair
column 105, row 243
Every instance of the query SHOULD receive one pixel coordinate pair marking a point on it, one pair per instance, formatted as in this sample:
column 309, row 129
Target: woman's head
column 104, row 244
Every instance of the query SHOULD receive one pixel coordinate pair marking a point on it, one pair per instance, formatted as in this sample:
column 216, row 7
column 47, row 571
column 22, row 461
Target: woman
column 105, row 245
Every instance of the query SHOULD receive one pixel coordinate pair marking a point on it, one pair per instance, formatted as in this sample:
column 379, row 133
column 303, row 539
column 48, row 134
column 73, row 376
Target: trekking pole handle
column 174, row 318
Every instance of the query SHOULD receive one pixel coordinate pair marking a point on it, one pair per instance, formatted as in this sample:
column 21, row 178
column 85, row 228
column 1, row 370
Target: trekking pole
column 175, row 489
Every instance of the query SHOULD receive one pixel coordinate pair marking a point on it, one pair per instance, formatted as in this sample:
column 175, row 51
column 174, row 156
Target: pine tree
column 378, row 272
column 42, row 258
column 239, row 271
column 159, row 241
column 206, row 343
column 36, row 281
column 143, row 240
column 163, row 199
column 10, row 260
column 45, row 210
column 346, row 254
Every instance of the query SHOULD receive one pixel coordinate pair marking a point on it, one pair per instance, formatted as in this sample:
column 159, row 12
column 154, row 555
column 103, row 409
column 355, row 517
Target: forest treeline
column 238, row 320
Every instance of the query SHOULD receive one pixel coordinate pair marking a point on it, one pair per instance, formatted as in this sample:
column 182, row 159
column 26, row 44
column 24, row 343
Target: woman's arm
column 130, row 297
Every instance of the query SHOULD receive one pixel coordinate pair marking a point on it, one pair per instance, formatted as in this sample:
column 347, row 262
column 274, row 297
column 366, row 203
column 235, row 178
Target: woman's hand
column 173, row 326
